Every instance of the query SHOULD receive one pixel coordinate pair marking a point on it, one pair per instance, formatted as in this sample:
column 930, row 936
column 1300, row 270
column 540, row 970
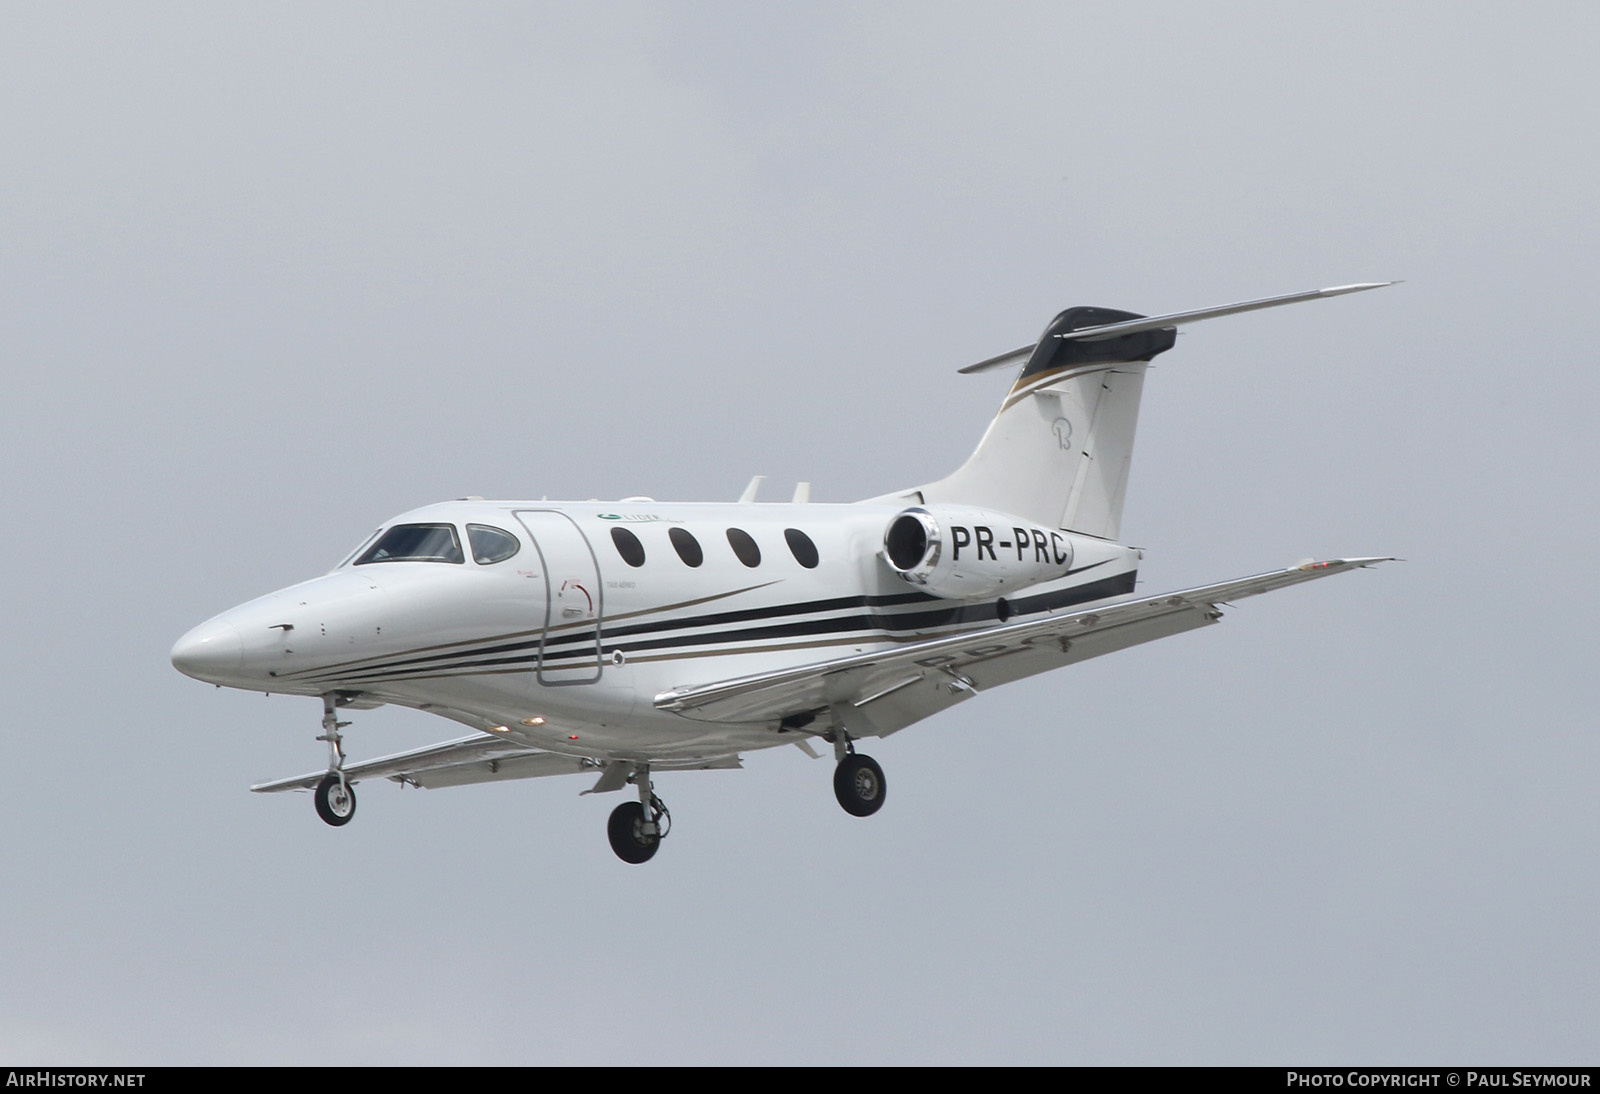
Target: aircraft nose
column 211, row 651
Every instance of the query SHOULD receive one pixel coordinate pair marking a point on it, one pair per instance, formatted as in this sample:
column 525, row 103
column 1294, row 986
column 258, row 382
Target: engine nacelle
column 965, row 553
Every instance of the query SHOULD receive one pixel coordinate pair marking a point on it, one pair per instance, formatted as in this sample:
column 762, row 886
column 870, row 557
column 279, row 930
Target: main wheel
column 628, row 837
column 858, row 784
column 336, row 801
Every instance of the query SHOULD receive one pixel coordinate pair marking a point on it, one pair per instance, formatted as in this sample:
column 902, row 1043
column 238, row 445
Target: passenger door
column 569, row 648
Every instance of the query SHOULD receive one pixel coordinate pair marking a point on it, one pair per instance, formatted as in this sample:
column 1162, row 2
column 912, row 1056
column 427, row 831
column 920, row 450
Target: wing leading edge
column 875, row 694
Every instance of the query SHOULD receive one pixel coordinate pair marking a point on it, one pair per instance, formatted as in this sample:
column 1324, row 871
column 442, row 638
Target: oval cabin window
column 744, row 547
column 628, row 546
column 800, row 545
column 687, row 546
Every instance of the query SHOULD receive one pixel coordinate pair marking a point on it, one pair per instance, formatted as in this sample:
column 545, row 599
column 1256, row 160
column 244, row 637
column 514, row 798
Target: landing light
column 533, row 721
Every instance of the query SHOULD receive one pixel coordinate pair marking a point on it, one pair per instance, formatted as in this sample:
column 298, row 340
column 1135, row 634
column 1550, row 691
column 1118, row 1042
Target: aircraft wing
column 482, row 757
column 875, row 694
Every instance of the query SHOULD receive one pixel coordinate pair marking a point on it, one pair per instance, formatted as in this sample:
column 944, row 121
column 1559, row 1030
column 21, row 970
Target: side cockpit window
column 490, row 544
column 415, row 543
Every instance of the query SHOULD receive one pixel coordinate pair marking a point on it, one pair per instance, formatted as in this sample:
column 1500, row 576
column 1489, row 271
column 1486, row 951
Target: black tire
column 626, row 832
column 859, row 786
column 332, row 807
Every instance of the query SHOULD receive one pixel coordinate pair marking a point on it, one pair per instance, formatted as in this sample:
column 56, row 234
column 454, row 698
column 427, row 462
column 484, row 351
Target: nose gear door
column 569, row 648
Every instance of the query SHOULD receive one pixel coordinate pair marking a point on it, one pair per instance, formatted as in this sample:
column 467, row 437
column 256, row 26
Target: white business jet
column 623, row 639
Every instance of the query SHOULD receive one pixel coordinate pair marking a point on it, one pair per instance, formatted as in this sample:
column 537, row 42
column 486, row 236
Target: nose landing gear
column 335, row 798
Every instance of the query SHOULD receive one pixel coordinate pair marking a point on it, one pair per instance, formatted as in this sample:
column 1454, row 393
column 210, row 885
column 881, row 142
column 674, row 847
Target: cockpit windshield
column 415, row 543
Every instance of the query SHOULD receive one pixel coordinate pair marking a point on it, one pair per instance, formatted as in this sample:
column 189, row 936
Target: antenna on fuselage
column 752, row 490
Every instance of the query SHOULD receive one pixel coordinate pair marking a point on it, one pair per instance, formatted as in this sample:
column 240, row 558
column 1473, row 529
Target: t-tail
column 1059, row 449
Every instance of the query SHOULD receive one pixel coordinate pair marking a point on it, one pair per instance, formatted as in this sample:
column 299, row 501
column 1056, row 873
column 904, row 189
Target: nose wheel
column 858, row 784
column 336, row 800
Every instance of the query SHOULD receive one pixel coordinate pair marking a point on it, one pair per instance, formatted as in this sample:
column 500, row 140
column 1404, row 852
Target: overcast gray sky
column 273, row 273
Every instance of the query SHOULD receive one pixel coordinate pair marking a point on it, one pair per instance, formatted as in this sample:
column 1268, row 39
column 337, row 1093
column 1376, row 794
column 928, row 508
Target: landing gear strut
column 858, row 780
column 336, row 799
column 636, row 829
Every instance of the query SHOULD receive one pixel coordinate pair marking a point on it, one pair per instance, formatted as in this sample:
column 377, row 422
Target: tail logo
column 1063, row 430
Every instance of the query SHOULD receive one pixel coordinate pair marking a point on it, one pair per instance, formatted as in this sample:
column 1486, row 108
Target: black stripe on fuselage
column 945, row 615
column 580, row 640
column 582, row 637
column 888, row 624
column 955, row 615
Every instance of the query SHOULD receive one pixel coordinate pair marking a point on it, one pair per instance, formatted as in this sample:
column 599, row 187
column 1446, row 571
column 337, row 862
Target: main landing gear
column 636, row 829
column 858, row 784
column 857, row 780
column 335, row 797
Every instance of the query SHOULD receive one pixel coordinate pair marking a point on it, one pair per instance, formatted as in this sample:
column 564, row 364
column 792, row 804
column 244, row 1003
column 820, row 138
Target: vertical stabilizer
column 1059, row 449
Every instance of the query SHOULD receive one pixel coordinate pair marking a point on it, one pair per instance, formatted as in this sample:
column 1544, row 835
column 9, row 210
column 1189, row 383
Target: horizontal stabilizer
column 1162, row 322
column 1018, row 354
column 1175, row 319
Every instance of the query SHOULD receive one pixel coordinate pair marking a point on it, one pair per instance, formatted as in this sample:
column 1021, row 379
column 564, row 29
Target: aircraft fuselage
column 601, row 606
